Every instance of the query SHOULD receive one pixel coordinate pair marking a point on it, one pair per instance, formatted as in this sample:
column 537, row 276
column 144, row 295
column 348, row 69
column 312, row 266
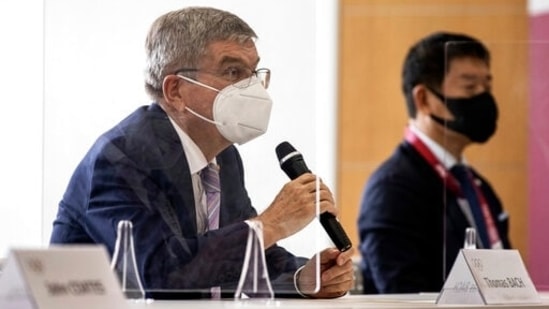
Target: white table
column 414, row 301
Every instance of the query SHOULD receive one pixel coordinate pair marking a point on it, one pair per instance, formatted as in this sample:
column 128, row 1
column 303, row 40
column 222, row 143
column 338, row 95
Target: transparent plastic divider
column 496, row 162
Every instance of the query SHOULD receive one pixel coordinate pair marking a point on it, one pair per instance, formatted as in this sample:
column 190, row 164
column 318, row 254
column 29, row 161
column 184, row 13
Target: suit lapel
column 181, row 212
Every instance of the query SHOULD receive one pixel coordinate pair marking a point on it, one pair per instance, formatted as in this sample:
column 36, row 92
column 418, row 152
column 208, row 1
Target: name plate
column 60, row 277
column 490, row 277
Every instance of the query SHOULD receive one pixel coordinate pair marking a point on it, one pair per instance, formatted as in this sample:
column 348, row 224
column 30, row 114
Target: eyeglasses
column 235, row 75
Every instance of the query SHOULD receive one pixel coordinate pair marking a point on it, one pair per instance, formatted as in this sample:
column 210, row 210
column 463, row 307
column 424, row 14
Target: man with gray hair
column 172, row 170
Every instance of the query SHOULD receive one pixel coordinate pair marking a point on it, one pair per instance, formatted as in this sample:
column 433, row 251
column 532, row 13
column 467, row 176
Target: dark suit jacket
column 409, row 237
column 138, row 171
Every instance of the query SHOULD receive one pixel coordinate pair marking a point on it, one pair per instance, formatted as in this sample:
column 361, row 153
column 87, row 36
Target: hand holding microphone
column 292, row 163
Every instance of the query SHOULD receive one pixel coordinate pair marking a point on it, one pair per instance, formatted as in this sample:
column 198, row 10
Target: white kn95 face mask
column 240, row 113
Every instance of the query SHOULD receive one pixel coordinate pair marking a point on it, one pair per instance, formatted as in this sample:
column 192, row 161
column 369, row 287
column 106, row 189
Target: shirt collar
column 442, row 155
column 195, row 157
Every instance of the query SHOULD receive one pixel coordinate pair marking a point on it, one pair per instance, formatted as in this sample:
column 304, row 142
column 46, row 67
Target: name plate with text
column 491, row 277
column 60, row 277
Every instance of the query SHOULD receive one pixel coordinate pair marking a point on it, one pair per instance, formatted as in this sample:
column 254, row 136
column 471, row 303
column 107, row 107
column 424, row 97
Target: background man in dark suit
column 417, row 205
column 151, row 169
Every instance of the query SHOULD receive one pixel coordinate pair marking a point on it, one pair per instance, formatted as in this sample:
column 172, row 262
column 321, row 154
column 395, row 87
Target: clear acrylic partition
column 94, row 79
column 514, row 161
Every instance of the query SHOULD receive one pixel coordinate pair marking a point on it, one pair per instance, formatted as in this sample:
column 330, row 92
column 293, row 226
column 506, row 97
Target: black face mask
column 474, row 117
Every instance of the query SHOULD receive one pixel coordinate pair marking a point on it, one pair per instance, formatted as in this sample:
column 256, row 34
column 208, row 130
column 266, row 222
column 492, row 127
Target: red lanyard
column 447, row 178
column 451, row 183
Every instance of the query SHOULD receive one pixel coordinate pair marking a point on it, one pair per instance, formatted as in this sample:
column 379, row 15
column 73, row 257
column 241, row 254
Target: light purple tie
column 210, row 181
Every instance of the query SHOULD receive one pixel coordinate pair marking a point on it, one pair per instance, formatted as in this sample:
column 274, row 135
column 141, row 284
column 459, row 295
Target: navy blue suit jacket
column 138, row 171
column 409, row 237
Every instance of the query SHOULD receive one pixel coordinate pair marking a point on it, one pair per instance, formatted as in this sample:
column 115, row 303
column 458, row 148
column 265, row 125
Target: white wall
column 21, row 86
column 536, row 7
column 93, row 60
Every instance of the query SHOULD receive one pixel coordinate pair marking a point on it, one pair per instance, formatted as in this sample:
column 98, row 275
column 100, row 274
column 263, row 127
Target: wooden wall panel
column 374, row 38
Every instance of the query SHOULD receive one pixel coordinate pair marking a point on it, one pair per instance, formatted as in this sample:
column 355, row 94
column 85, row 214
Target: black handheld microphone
column 292, row 163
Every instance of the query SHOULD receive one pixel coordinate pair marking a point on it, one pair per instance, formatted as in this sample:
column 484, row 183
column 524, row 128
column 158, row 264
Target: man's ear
column 420, row 97
column 172, row 92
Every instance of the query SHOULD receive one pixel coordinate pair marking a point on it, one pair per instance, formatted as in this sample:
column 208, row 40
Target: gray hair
column 178, row 39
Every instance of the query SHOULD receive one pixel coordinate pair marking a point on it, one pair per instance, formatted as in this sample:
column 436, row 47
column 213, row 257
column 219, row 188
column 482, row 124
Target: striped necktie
column 210, row 181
